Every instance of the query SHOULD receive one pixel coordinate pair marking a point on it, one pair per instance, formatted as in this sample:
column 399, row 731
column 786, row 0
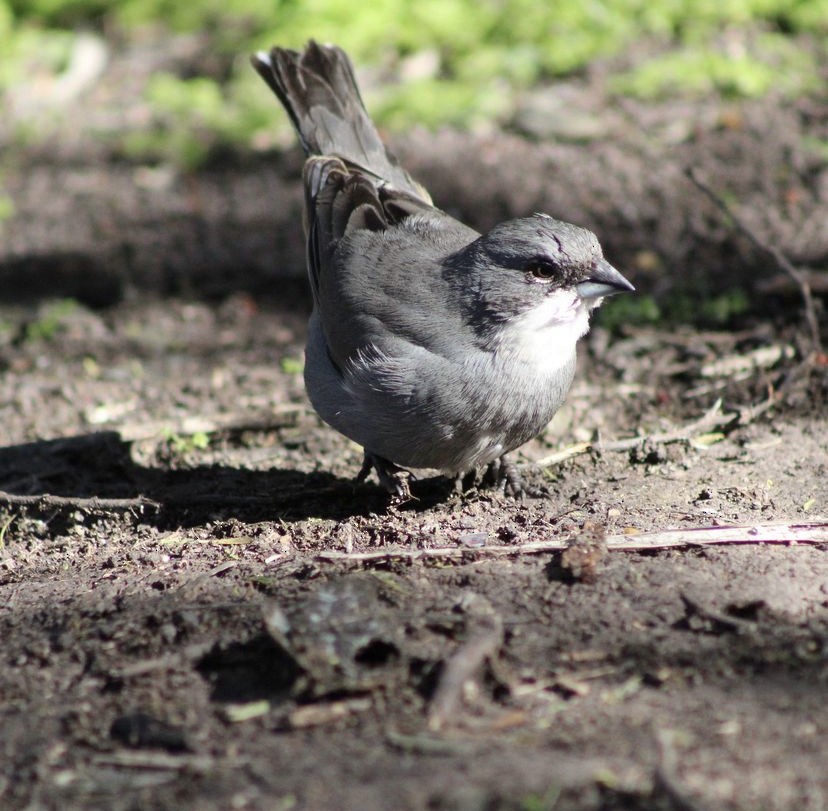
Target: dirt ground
column 199, row 609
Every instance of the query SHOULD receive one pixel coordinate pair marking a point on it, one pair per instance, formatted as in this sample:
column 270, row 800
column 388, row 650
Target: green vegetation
column 750, row 66
column 192, row 116
column 699, row 308
column 6, row 206
column 637, row 310
column 292, row 366
column 540, row 802
column 433, row 62
column 51, row 320
column 182, row 444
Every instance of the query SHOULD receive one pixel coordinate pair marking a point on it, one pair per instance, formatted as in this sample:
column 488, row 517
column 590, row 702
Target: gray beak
column 604, row 280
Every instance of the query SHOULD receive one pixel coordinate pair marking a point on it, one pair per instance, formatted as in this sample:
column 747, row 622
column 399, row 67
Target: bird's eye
column 541, row 269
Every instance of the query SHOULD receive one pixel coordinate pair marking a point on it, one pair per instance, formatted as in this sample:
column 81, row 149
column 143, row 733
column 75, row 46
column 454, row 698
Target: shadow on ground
column 99, row 466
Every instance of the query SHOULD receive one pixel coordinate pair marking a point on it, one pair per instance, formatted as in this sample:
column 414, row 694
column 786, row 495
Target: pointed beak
column 604, row 280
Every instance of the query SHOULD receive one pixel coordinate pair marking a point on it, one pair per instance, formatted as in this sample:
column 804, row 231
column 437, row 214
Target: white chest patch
column 545, row 336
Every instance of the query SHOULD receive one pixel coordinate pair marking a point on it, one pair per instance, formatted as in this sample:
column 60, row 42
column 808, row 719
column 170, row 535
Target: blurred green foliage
column 432, row 61
column 51, row 320
column 192, row 116
column 292, row 366
column 701, row 308
column 6, row 206
column 183, row 444
column 620, row 311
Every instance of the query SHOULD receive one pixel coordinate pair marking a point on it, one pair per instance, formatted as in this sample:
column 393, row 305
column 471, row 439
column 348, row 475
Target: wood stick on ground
column 155, row 760
column 815, row 532
column 665, row 779
column 709, row 421
column 45, row 501
column 483, row 642
column 782, row 261
column 695, row 608
column 183, row 658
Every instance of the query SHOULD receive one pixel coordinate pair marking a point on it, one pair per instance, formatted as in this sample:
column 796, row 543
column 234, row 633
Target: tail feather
column 318, row 89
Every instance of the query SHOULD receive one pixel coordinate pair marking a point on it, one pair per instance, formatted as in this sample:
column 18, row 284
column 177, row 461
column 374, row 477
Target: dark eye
column 542, row 269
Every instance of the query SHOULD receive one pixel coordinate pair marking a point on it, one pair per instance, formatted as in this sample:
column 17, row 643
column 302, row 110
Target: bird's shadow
column 99, row 465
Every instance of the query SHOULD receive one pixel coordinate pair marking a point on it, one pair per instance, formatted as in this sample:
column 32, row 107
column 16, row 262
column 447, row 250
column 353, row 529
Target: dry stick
column 710, row 420
column 460, row 667
column 800, row 278
column 694, row 607
column 314, row 715
column 152, row 761
column 170, row 661
column 713, row 418
column 46, row 501
column 775, row 533
column 96, row 504
column 664, row 779
column 681, row 434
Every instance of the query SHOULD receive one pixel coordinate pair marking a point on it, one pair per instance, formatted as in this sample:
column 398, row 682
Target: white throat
column 545, row 336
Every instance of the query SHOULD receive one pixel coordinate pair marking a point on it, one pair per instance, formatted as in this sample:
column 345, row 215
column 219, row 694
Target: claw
column 503, row 474
column 395, row 479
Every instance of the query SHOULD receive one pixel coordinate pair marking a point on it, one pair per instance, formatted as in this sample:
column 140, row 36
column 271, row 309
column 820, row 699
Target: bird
column 431, row 345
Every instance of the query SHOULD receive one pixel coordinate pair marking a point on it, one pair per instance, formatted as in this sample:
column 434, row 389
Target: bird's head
column 535, row 278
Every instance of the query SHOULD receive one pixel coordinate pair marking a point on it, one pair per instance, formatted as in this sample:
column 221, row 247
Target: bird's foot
column 503, row 474
column 395, row 479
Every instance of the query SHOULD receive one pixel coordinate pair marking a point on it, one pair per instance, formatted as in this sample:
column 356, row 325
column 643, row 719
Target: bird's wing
column 340, row 201
column 374, row 240
column 375, row 261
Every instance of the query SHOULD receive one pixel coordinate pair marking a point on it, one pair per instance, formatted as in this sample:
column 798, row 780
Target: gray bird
column 430, row 345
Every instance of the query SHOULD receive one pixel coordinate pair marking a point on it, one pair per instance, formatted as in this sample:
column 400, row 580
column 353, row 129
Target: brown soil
column 186, row 642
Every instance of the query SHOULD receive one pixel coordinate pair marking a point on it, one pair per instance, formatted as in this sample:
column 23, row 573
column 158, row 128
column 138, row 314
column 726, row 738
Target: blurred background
column 140, row 152
column 431, row 63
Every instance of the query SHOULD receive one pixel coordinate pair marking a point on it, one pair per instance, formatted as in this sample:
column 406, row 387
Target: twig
column 815, row 532
column 713, row 418
column 483, row 643
column 665, row 781
column 809, row 532
column 172, row 661
column 314, row 715
column 782, row 261
column 45, row 501
column 155, row 760
column 737, row 366
column 427, row 745
column 782, row 283
column 694, row 608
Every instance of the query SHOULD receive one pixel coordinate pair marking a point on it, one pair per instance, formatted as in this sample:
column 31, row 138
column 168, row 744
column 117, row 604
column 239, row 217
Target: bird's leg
column 503, row 474
column 463, row 482
column 395, row 479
